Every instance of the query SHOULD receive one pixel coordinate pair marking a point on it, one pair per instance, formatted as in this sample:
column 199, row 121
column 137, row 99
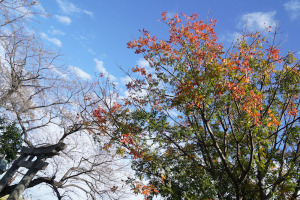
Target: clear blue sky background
column 91, row 33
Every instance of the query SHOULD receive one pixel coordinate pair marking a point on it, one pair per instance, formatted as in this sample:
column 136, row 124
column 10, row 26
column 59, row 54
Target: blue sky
column 92, row 34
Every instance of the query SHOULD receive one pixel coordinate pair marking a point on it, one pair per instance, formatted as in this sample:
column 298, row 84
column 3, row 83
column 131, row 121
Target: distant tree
column 10, row 139
column 204, row 122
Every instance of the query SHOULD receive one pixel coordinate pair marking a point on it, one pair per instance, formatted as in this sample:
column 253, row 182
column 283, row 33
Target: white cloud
column 80, row 73
column 142, row 63
column 54, row 41
column 170, row 14
column 258, row 20
column 230, row 37
column 54, row 31
column 90, row 13
column 101, row 69
column 69, row 8
column 63, row 19
column 125, row 80
column 100, row 66
column 62, row 75
column 235, row 36
column 23, row 11
column 293, row 8
column 91, row 51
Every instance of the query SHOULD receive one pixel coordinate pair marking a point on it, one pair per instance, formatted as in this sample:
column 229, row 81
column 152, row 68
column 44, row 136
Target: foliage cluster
column 205, row 122
column 10, row 139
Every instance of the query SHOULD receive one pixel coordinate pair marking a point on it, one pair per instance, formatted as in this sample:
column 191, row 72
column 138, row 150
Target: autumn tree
column 205, row 122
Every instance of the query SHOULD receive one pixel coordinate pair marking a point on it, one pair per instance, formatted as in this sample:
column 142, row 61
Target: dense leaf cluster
column 10, row 139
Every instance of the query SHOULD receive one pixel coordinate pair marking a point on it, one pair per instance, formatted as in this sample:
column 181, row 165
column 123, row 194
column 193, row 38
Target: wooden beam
column 48, row 151
column 40, row 165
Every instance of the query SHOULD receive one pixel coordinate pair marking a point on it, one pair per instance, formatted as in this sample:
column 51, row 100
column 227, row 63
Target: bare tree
column 49, row 104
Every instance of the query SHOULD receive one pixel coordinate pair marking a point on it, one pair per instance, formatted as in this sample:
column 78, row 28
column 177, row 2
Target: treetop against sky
column 92, row 35
column 208, row 122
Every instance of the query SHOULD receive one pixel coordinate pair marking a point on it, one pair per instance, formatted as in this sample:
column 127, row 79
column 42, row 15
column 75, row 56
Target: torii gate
column 27, row 160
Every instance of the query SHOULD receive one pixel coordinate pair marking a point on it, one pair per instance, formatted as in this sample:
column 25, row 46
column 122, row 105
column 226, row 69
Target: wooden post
column 23, row 184
column 42, row 153
column 10, row 173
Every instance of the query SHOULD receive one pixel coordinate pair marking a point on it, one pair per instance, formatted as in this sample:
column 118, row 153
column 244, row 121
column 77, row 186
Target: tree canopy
column 205, row 122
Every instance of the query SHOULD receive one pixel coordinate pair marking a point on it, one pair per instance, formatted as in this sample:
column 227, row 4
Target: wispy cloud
column 170, row 14
column 63, row 19
column 100, row 66
column 142, row 62
column 101, row 69
column 40, row 9
column 52, row 40
column 293, row 8
column 54, row 31
column 230, row 37
column 25, row 11
column 62, row 75
column 256, row 21
column 80, row 73
column 125, row 80
column 90, row 13
column 70, row 8
column 91, row 51
column 235, row 36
